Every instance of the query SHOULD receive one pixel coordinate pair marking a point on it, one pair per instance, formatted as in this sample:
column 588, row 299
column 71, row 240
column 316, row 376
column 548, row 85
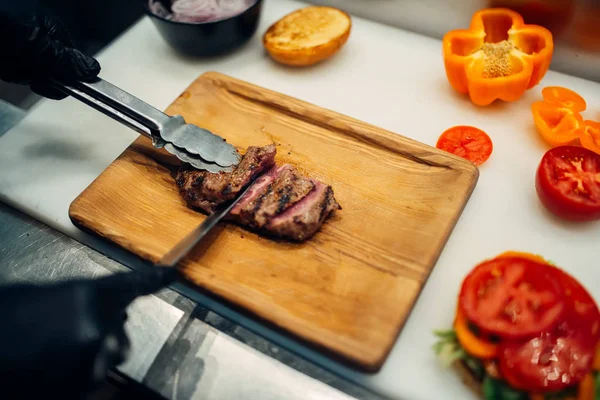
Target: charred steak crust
column 206, row 190
column 281, row 202
column 286, row 189
column 306, row 217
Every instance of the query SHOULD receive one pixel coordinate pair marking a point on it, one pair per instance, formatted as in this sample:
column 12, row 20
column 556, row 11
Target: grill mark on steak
column 254, row 192
column 282, row 202
column 180, row 180
column 227, row 190
column 250, row 216
column 206, row 190
column 284, row 199
column 303, row 219
column 224, row 186
column 287, row 189
column 248, row 210
column 198, row 181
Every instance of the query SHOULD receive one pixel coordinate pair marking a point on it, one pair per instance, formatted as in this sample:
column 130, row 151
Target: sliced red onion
column 195, row 11
column 158, row 8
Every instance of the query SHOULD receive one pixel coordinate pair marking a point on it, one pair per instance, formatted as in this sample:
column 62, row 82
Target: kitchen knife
column 184, row 246
column 191, row 144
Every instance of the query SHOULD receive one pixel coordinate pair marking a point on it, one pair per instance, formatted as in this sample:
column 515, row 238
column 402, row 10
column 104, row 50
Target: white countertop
column 433, row 18
column 384, row 76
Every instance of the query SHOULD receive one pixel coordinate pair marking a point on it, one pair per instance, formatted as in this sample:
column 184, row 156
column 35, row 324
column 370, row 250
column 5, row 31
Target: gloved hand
column 39, row 48
column 62, row 339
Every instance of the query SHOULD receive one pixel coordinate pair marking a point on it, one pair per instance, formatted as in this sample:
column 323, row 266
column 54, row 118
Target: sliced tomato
column 557, row 125
column 549, row 362
column 581, row 308
column 578, row 300
column 564, row 97
column 561, row 357
column 568, row 183
column 512, row 297
column 590, row 136
column 533, row 257
column 467, row 142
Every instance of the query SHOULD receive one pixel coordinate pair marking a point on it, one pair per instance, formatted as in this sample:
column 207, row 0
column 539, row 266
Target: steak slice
column 304, row 218
column 286, row 187
column 207, row 190
column 185, row 181
column 258, row 187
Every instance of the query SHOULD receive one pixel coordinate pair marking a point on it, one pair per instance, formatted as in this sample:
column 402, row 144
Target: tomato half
column 568, row 183
column 512, row 298
column 564, row 97
column 561, row 357
column 467, row 142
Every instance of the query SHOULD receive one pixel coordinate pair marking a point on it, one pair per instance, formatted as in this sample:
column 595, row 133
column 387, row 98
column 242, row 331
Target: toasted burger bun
column 307, row 36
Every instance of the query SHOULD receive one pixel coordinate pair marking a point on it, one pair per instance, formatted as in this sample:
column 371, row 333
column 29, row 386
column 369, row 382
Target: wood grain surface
column 350, row 288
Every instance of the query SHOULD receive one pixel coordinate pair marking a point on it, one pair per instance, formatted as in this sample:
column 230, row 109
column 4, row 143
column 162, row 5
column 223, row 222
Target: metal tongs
column 190, row 143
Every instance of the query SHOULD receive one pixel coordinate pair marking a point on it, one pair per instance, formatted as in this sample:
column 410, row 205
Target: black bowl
column 208, row 38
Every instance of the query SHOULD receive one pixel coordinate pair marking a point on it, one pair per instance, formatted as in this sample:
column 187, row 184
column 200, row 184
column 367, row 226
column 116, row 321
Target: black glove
column 62, row 339
column 38, row 48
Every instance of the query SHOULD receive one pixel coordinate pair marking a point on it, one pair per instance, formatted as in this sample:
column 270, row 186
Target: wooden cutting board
column 350, row 288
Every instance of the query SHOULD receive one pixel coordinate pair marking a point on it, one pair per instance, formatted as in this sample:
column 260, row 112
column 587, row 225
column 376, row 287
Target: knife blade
column 181, row 249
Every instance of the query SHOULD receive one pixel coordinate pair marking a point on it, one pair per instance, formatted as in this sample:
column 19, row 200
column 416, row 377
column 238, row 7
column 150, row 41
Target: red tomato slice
column 549, row 362
column 467, row 142
column 580, row 306
column 568, row 183
column 512, row 297
column 562, row 357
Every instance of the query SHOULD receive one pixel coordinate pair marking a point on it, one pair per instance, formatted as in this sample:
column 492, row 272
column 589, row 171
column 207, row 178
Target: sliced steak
column 185, row 181
column 249, row 200
column 304, row 218
column 287, row 186
column 281, row 202
column 207, row 190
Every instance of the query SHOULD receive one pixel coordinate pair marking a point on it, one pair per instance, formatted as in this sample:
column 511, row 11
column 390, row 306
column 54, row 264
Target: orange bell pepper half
column 590, row 136
column 475, row 346
column 557, row 125
column 498, row 57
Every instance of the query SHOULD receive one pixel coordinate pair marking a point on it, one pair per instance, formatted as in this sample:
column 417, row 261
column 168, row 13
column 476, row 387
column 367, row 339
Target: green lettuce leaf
column 449, row 350
column 448, row 334
column 494, row 389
